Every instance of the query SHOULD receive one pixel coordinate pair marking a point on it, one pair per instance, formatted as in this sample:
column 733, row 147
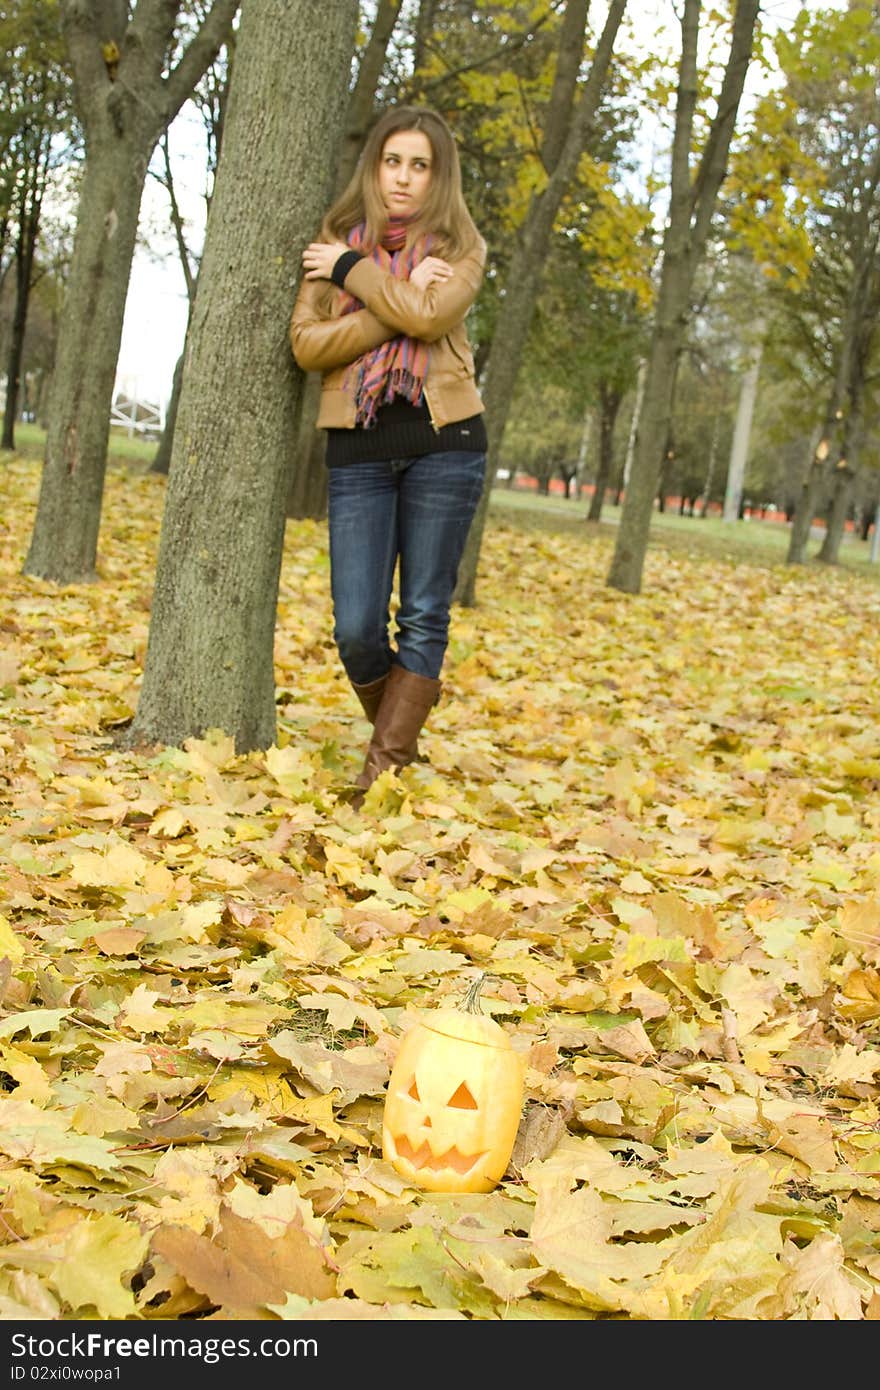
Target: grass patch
column 738, row 542
column 30, row 442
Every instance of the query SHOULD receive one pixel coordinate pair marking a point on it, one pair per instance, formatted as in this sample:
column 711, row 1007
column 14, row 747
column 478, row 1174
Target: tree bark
column 517, row 305
column 210, row 652
column 692, row 204
column 125, row 102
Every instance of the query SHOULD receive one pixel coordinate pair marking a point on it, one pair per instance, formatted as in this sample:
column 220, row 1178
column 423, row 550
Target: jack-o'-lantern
column 454, row 1100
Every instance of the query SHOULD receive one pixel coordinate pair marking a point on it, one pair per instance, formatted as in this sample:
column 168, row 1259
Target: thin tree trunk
column 712, row 465
column 126, row 100
column 814, row 479
column 162, row 458
column 210, row 652
column 692, row 204
column 584, row 446
column 739, row 449
column 859, row 323
column 634, row 425
column 844, row 484
column 523, row 280
column 361, row 105
column 24, row 265
column 424, row 27
column 610, row 405
column 847, row 469
column 308, row 486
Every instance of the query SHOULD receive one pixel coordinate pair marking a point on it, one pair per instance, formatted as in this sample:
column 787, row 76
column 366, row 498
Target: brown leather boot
column 370, row 696
column 406, row 703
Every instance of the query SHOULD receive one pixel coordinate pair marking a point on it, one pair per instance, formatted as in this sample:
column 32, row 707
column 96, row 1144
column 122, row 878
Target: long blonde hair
column 444, row 213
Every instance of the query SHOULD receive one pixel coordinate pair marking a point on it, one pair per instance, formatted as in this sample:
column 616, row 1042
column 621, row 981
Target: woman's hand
column 432, row 270
column 320, row 257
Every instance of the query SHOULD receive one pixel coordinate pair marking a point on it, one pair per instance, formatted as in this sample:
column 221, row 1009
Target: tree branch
column 360, row 102
column 198, row 55
column 177, row 222
column 576, row 140
column 89, row 25
column 420, row 89
column 713, row 165
column 568, row 62
column 685, row 106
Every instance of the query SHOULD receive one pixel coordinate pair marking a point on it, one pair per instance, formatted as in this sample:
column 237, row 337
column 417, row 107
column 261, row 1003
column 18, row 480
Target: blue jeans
column 419, row 511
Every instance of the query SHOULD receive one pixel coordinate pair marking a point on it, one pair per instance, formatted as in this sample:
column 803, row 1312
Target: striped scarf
column 399, row 366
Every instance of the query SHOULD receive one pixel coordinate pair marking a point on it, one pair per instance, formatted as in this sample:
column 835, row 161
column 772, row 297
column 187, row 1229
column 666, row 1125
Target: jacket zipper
column 431, row 412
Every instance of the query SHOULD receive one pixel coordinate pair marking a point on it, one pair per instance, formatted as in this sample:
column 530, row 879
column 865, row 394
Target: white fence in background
column 138, row 417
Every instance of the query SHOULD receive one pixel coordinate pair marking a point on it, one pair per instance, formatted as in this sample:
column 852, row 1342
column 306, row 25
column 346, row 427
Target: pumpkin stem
column 471, row 1002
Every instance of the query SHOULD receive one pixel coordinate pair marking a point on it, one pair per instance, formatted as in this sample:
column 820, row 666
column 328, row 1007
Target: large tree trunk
column 210, row 654
column 566, row 137
column 692, row 204
column 609, row 405
column 65, row 537
column 126, row 100
column 308, row 490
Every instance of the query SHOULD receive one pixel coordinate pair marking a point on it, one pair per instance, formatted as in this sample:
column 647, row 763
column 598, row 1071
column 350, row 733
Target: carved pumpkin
column 454, row 1099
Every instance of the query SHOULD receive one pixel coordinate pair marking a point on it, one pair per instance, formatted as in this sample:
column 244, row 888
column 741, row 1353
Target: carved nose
column 427, row 1124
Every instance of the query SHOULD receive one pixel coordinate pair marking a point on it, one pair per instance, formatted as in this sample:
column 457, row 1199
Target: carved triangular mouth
column 424, row 1157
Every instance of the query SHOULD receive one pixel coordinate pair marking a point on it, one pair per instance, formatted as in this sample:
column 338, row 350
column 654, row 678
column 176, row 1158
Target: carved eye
column 462, row 1100
column 414, row 1090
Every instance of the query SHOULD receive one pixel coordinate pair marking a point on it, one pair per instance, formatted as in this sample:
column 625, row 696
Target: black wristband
column 343, row 265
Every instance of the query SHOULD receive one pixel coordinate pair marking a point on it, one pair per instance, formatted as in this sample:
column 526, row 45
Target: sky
column 156, row 309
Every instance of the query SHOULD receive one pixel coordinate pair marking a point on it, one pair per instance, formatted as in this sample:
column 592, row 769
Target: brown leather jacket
column 392, row 306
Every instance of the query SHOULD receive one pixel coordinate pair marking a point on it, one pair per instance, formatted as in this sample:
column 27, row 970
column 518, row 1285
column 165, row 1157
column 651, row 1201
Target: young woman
column 380, row 313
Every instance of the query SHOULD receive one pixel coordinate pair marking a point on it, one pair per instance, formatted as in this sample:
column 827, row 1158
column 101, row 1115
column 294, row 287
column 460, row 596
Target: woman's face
column 405, row 172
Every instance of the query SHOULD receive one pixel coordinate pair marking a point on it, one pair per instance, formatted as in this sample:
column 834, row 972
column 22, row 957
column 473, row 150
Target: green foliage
column 35, row 96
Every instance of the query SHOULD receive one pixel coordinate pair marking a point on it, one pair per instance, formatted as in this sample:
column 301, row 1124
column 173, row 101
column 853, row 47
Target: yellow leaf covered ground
column 653, row 821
